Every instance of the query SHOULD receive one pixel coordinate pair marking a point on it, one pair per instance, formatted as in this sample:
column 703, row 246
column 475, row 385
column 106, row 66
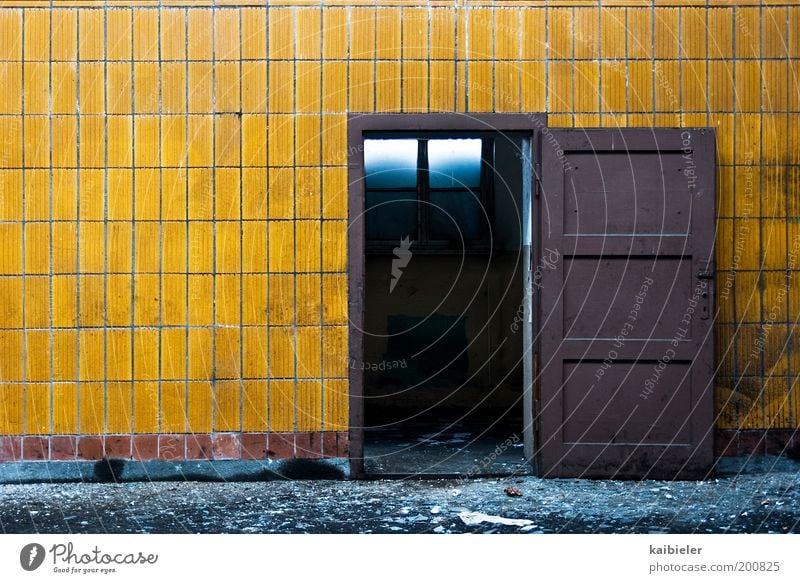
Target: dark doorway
column 443, row 368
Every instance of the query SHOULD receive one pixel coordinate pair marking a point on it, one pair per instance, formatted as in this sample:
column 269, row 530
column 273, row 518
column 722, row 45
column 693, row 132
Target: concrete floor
column 747, row 495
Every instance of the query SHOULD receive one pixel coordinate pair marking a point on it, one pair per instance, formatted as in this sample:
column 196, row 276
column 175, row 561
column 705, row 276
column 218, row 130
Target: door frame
column 357, row 126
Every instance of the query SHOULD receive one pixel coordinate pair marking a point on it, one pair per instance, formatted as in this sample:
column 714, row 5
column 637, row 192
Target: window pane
column 390, row 215
column 390, row 163
column 454, row 163
column 455, row 215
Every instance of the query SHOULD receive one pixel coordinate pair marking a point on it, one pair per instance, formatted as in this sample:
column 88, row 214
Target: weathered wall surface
column 173, row 195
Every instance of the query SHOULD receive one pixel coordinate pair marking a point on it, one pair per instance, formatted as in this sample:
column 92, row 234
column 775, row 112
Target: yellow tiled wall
column 173, row 186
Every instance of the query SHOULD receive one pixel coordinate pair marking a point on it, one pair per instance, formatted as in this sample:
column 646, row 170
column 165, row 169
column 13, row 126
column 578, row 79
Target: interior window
column 432, row 190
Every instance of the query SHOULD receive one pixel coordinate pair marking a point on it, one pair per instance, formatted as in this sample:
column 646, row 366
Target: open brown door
column 625, row 338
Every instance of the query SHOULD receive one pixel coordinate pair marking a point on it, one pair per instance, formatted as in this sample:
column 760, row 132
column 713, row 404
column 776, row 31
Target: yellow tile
column 173, row 141
column 587, row 86
column 228, row 247
column 613, row 93
column 334, row 299
column 415, row 86
column 147, row 143
column 228, row 354
column 308, row 33
column 37, row 142
column 145, row 35
column 145, row 354
column 614, row 33
column 747, row 94
column 335, row 399
column 201, row 248
column 334, row 87
column 11, row 311
column 309, row 406
column 92, row 90
column 774, row 86
column 63, row 36
column 560, row 87
column 254, row 87
column 334, row 193
column 227, row 87
column 666, row 33
column 720, row 85
column 307, row 192
column 720, row 26
column 37, row 409
column 37, row 302
column 254, row 301
column 774, row 139
column 387, row 86
column 281, row 352
column 173, row 35
column 443, row 27
column 694, row 91
column 254, row 193
column 693, row 33
column 309, row 302
column 91, row 247
column 308, row 254
column 91, row 414
column 11, row 134
column 334, row 245
column 441, row 86
column 281, row 34
column 280, row 140
column 228, row 140
column 11, row 254
column 415, row 33
column 11, row 348
column 334, row 351
column 173, row 88
column 587, row 33
column 92, row 304
column 254, row 33
column 38, row 356
column 64, row 302
column 11, row 414
column 201, row 86
column 173, row 353
column 92, row 142
column 227, row 199
column 388, row 29
column 281, row 246
column 281, row 300
column 334, row 134
column 201, row 194
column 36, row 87
column 228, row 300
column 37, row 194
column 334, row 33
column 254, row 406
column 560, row 30
column 173, row 300
column 36, row 34
column 64, row 85
column 64, row 250
column 362, row 33
column 119, row 407
column 640, row 86
column 147, row 248
column 480, row 31
column 227, row 404
column 254, row 247
column 307, row 139
column 120, row 141
column 118, row 295
column 118, row 350
column 64, row 355
column 794, row 39
column 254, row 140
column 145, row 407
column 147, row 194
column 307, row 83
column 173, row 407
column 281, row 193
column 11, row 74
column 201, row 290
column 173, row 247
column 773, row 243
column 10, row 195
column 91, row 355
column 748, row 137
column 65, row 408
column 747, row 31
column 667, row 80
column 201, row 142
column 200, row 407
column 119, row 23
column 199, row 26
column 361, row 86
column 281, row 406
column 146, row 301
column 92, row 186
column 119, row 87
column 119, row 247
column 281, row 86
column 10, row 34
